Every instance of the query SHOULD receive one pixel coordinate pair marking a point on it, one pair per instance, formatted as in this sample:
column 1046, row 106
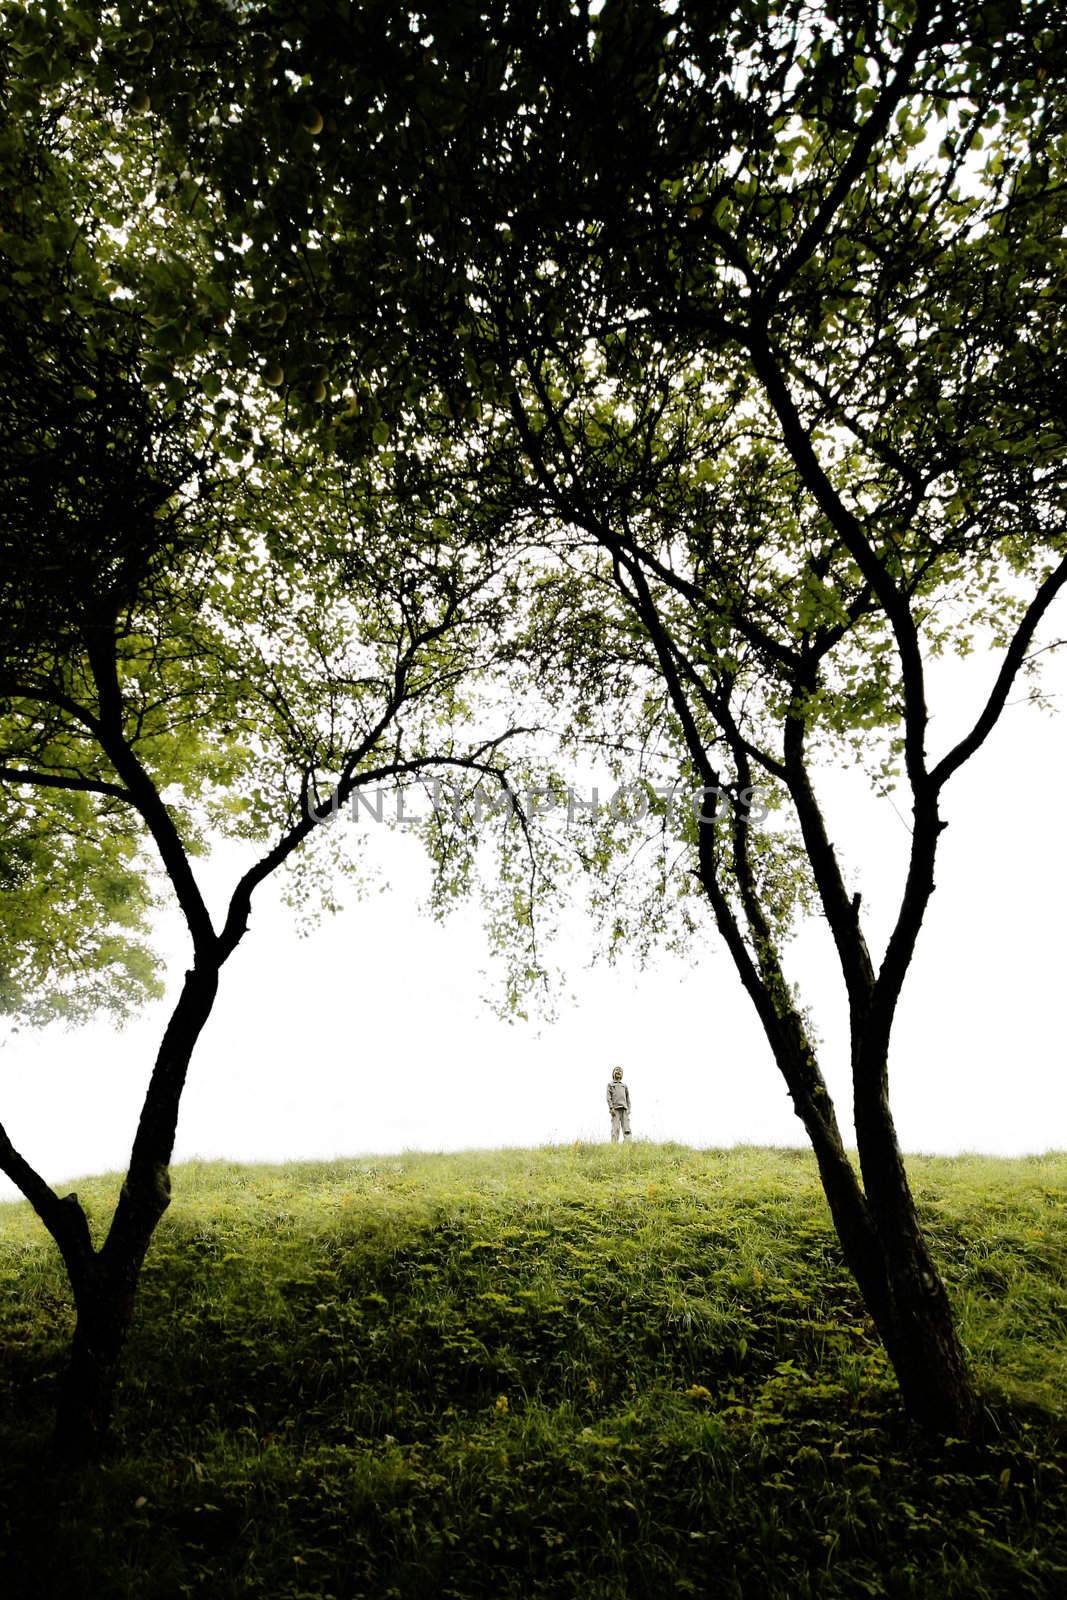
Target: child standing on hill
column 619, row 1106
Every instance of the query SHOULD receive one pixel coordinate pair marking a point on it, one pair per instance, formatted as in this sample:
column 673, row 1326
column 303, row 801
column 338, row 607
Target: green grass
column 595, row 1371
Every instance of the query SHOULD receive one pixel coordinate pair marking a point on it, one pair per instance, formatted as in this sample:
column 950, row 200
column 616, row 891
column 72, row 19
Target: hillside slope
column 594, row 1371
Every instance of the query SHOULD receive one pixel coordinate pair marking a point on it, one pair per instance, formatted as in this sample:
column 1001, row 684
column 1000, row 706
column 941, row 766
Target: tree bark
column 885, row 1250
column 920, row 1337
column 916, row 1323
column 86, row 1399
column 876, row 1222
column 106, row 1287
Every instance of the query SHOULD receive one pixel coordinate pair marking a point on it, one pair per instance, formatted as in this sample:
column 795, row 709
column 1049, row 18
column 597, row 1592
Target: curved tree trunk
column 105, row 1288
column 886, row 1252
column 916, row 1322
column 919, row 1333
column 876, row 1221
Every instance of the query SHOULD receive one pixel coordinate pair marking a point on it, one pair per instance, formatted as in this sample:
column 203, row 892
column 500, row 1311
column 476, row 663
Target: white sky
column 369, row 1036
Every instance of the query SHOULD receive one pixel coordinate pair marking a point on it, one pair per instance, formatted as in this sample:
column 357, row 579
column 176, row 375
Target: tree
column 74, row 894
column 202, row 631
column 297, row 663
column 733, row 300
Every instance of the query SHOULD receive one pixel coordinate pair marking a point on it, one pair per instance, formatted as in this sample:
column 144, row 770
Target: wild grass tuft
column 586, row 1370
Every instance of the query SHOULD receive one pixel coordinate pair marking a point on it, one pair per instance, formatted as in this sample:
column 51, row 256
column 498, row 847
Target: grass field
column 596, row 1371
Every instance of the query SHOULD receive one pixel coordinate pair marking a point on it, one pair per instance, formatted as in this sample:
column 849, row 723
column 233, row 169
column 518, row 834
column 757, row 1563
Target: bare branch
column 64, row 1218
column 1014, row 657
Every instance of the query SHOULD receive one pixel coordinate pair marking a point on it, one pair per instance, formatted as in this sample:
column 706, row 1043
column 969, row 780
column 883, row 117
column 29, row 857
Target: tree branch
column 893, row 602
column 872, row 130
column 50, row 780
column 576, row 508
column 1014, row 657
column 64, row 1218
column 842, row 913
column 147, row 799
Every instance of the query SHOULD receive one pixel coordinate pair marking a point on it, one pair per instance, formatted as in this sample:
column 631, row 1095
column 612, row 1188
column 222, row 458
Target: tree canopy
column 208, row 627
column 749, row 318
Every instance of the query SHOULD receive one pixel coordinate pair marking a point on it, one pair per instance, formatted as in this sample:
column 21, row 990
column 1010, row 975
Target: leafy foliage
column 262, row 616
column 208, row 625
column 74, row 906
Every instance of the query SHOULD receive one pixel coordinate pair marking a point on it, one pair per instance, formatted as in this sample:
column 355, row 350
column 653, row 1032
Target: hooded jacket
column 618, row 1096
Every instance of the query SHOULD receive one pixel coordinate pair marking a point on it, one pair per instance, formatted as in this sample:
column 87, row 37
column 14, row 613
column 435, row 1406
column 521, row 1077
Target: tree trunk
column 880, row 1234
column 86, row 1399
column 884, row 1248
column 106, row 1284
column 923, row 1345
column 915, row 1322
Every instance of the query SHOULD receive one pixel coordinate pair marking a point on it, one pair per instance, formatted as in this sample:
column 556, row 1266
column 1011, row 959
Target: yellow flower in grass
column 502, row 1404
column 697, row 1391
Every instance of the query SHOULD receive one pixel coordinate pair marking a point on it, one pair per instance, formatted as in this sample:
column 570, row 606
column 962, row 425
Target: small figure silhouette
column 619, row 1106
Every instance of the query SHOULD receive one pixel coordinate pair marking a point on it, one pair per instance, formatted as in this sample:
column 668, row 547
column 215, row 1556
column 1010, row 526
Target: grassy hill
column 595, row 1371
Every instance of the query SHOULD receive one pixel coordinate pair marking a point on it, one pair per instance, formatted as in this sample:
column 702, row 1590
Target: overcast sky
column 369, row 1035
